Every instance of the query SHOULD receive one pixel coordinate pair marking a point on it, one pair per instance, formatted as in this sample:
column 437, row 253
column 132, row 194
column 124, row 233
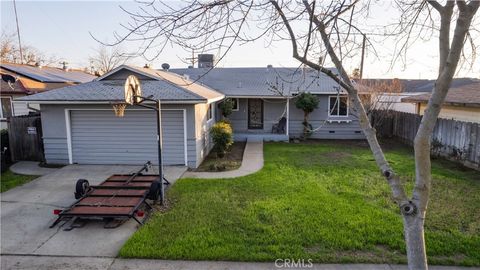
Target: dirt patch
column 337, row 156
column 380, row 253
column 231, row 161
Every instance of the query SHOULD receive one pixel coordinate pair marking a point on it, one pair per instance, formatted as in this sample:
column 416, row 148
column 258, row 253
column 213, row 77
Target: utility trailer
column 115, row 200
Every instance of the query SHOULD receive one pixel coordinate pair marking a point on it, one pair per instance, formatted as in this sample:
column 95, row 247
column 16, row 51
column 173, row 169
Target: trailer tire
column 154, row 191
column 81, row 188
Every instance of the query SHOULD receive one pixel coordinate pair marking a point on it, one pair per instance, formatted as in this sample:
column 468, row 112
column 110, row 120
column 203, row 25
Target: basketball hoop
column 133, row 92
column 119, row 108
column 132, row 96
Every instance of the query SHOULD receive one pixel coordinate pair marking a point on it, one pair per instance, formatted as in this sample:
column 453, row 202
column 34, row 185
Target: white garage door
column 99, row 137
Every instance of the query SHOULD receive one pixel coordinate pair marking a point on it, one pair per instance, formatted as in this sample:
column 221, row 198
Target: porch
column 255, row 118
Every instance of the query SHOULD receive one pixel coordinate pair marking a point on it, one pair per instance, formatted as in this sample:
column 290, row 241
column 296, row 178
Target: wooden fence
column 452, row 139
column 25, row 138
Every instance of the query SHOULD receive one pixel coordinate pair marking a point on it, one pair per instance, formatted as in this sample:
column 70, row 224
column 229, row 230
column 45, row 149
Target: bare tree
column 107, row 58
column 317, row 29
column 379, row 98
column 10, row 52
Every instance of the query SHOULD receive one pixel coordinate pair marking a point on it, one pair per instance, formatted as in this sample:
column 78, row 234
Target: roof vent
column 239, row 85
column 165, row 66
column 64, row 65
column 39, row 64
column 269, row 66
column 186, row 77
column 146, row 66
column 190, row 66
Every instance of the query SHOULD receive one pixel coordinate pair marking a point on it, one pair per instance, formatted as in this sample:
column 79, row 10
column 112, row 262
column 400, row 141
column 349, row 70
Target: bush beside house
column 222, row 136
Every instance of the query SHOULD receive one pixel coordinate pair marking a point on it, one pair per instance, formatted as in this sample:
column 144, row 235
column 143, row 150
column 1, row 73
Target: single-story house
column 19, row 80
column 462, row 103
column 79, row 125
column 262, row 96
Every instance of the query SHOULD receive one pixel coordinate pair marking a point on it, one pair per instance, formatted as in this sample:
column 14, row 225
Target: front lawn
column 324, row 201
column 10, row 180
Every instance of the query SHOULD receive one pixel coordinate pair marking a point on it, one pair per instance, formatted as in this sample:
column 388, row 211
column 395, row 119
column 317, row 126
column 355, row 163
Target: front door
column 255, row 114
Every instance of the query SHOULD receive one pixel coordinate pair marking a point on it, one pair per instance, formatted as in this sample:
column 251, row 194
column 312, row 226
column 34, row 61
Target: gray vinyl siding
column 99, row 137
column 123, row 74
column 55, row 134
column 342, row 130
column 203, row 141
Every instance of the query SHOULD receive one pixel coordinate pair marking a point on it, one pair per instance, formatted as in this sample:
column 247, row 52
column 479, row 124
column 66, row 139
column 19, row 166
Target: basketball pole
column 159, row 141
column 158, row 114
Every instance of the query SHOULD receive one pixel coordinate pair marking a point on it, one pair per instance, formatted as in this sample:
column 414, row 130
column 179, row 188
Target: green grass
column 324, row 201
column 10, row 180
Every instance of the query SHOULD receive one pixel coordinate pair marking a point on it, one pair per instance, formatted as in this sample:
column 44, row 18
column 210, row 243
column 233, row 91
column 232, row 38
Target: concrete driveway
column 27, row 211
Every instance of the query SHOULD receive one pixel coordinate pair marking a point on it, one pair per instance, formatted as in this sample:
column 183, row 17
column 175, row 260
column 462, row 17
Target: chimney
column 206, row 60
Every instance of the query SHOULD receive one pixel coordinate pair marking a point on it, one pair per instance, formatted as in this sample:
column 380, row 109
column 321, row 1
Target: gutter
column 105, row 102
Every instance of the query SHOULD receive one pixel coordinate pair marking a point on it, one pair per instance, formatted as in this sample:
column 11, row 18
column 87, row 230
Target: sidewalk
column 252, row 162
column 91, row 263
column 30, row 168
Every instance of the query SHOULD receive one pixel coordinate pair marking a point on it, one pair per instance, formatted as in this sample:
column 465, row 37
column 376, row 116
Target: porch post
column 288, row 115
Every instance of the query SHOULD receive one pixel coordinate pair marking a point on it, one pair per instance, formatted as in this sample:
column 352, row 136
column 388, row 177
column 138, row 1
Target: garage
column 99, row 137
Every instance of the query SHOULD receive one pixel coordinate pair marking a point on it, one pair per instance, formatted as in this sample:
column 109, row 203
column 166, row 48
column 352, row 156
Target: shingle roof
column 165, row 86
column 261, row 81
column 113, row 90
column 49, row 74
column 421, row 86
column 178, row 80
column 466, row 95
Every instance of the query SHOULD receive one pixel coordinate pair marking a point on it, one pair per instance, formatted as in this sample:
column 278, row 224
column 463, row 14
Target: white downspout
column 288, row 116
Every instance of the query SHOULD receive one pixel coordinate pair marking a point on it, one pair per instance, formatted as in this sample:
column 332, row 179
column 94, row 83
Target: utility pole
column 192, row 59
column 363, row 55
column 18, row 32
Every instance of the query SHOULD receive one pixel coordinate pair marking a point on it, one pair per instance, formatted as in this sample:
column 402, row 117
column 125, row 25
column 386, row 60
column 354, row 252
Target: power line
column 18, row 32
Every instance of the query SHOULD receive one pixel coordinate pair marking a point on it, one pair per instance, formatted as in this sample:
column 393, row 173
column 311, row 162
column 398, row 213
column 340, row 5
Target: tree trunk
column 415, row 241
column 305, row 125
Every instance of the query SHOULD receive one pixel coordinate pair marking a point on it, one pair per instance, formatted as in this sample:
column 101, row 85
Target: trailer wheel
column 154, row 191
column 81, row 188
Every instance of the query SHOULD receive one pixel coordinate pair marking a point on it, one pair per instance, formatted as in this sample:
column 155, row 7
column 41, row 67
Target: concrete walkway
column 252, row 162
column 92, row 263
column 30, row 168
column 26, row 212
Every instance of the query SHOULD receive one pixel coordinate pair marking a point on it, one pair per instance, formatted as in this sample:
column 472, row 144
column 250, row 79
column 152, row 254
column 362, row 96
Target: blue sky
column 62, row 28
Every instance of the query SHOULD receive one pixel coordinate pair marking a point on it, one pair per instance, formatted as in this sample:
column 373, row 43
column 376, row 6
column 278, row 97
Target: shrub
column 226, row 107
column 222, row 136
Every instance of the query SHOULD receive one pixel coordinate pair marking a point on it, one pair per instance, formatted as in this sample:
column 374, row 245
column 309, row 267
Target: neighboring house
column 462, row 103
column 79, row 125
column 394, row 99
column 262, row 96
column 21, row 80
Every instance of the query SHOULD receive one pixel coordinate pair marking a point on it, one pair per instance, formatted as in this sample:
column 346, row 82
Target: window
column 235, row 104
column 6, row 107
column 338, row 106
column 210, row 112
